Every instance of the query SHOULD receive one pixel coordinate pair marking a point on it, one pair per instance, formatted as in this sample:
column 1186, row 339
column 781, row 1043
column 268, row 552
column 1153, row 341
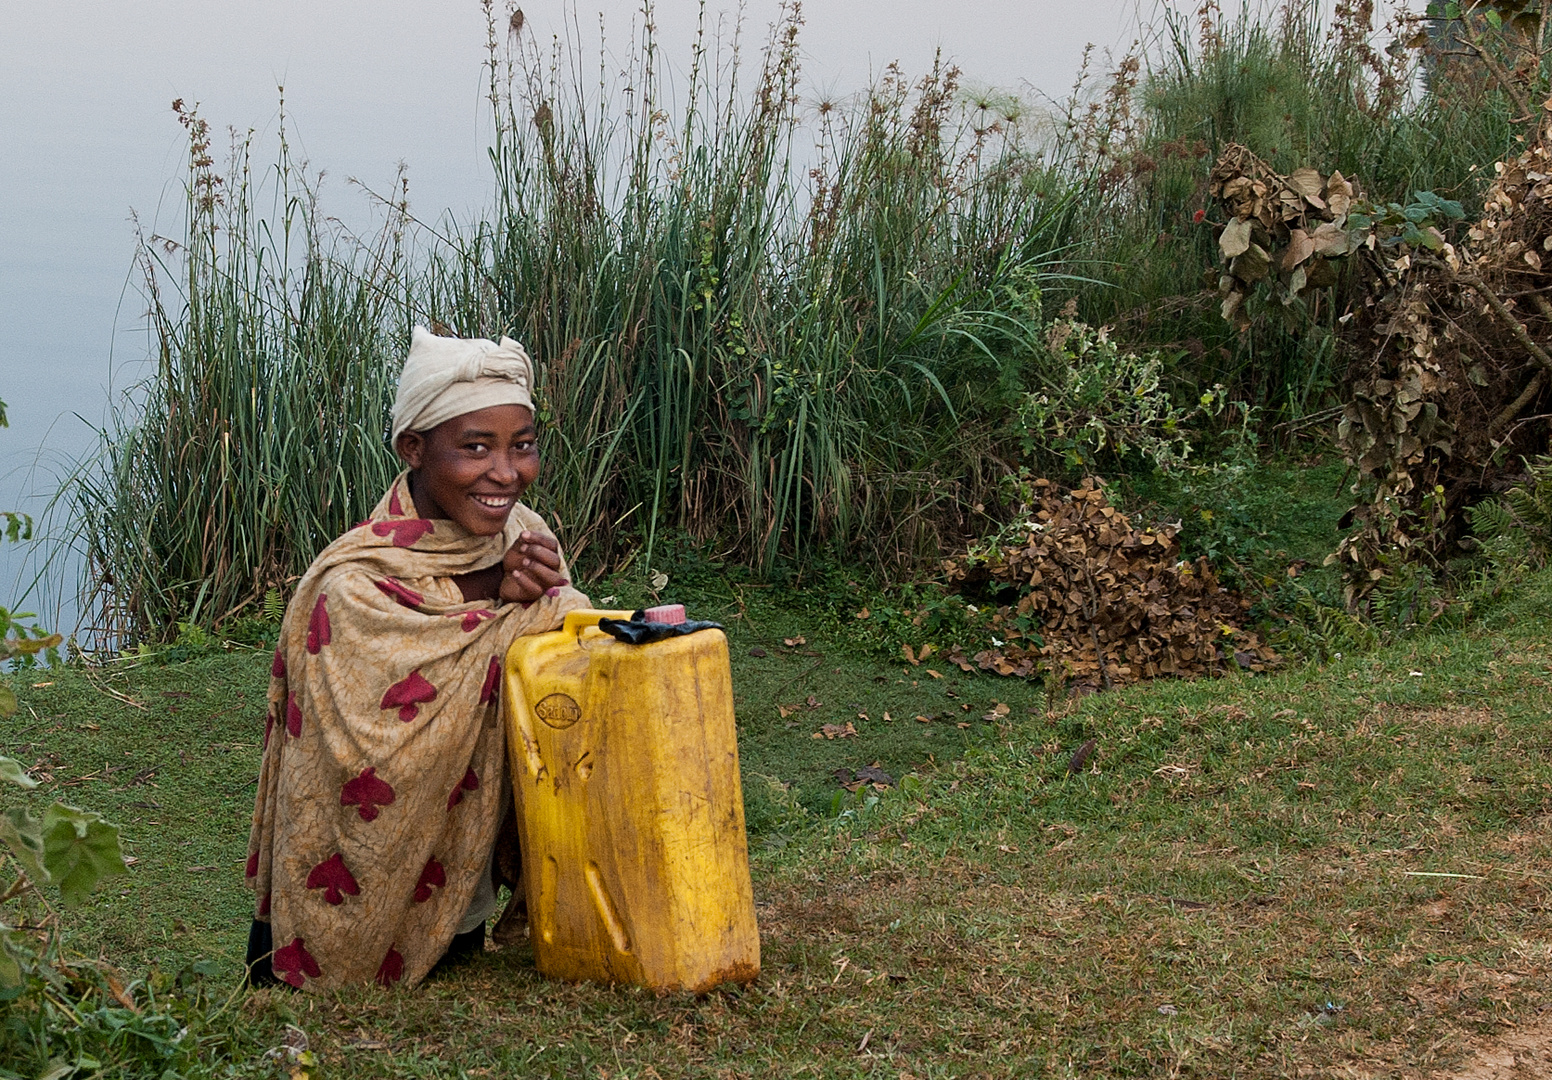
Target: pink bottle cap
column 673, row 614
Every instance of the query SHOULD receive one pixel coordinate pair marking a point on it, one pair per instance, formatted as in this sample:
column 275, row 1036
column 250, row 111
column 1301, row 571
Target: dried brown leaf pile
column 1103, row 602
column 1450, row 380
column 1281, row 229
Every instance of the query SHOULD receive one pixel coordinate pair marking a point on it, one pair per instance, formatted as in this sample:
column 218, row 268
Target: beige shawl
column 383, row 780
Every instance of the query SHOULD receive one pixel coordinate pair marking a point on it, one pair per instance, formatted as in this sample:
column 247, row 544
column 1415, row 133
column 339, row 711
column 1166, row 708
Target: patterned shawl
column 383, row 780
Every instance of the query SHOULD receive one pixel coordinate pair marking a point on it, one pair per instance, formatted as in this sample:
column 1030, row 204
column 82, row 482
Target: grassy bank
column 1335, row 868
column 795, row 331
column 781, row 337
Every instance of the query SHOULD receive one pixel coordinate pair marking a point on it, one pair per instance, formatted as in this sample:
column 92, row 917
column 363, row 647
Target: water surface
column 92, row 145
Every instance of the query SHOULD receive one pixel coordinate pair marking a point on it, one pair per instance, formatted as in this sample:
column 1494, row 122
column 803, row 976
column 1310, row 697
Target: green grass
column 1254, row 522
column 783, row 357
column 1252, row 853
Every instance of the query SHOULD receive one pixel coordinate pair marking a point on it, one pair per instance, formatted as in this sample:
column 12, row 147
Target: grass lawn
column 1329, row 871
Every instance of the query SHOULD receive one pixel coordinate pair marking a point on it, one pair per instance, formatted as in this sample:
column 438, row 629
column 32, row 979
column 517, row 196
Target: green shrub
column 1099, row 404
column 788, row 364
column 1299, row 88
column 788, row 359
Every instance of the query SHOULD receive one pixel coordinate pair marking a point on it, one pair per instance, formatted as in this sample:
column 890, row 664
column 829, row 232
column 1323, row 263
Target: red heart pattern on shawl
column 367, row 792
column 335, row 879
column 408, row 694
column 294, row 964
column 470, row 782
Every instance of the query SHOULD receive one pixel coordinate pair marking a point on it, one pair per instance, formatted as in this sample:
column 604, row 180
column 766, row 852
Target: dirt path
column 1523, row 1054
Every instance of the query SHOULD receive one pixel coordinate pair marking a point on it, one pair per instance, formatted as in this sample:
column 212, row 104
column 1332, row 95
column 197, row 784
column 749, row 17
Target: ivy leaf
column 11, row 975
column 1438, row 206
column 31, row 646
column 80, row 848
column 23, row 834
column 11, row 769
column 13, row 955
column 1494, row 19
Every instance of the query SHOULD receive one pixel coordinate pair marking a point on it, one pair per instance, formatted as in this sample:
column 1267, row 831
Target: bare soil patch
column 1524, row 1053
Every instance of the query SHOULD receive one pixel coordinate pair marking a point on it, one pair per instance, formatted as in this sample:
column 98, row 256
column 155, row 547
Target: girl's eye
column 478, row 448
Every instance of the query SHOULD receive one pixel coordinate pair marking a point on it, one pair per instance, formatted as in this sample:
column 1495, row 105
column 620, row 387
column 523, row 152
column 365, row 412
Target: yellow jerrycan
column 625, row 771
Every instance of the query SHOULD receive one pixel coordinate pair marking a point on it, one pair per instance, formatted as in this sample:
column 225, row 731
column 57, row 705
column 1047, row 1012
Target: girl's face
column 473, row 467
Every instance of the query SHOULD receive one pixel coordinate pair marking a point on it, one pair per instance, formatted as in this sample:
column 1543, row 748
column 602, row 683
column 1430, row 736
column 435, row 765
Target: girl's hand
column 531, row 568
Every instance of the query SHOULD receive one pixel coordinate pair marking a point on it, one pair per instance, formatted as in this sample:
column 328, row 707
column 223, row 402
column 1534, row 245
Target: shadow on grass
column 1327, row 869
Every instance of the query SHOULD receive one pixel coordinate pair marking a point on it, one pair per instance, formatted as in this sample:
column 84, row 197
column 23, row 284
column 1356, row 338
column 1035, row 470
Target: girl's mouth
column 494, row 502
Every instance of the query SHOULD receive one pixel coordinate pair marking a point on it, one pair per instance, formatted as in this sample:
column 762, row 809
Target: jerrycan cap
column 671, row 614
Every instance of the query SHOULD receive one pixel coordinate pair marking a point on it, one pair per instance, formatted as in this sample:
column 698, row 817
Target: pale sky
column 85, row 89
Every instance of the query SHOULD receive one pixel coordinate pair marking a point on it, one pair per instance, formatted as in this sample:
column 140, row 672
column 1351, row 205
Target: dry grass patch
column 1326, row 872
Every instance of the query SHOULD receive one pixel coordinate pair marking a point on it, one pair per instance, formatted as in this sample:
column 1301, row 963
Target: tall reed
column 775, row 350
column 734, row 346
column 260, row 436
column 1301, row 89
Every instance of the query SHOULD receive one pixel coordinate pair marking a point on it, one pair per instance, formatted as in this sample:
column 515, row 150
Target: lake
column 93, row 148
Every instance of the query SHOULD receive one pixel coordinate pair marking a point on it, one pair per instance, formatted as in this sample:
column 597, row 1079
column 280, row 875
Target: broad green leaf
column 1494, row 19
column 80, row 848
column 11, row 769
column 30, row 646
column 11, row 974
column 23, row 834
column 8, row 703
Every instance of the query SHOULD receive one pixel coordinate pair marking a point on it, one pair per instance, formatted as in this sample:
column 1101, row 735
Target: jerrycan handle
column 580, row 620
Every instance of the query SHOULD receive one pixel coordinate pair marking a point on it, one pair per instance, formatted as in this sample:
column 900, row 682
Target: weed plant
column 1300, row 89
column 785, row 352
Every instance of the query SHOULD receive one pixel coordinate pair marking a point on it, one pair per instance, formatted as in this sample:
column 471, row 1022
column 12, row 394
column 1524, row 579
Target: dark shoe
column 261, row 944
column 463, row 948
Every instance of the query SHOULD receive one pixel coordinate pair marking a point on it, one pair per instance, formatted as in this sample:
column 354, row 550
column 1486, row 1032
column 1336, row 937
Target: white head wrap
column 446, row 377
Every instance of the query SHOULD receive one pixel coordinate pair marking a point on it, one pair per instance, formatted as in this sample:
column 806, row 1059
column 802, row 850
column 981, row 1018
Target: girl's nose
column 503, row 469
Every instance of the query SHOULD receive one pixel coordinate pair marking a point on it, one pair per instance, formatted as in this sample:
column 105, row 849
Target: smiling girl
column 383, row 784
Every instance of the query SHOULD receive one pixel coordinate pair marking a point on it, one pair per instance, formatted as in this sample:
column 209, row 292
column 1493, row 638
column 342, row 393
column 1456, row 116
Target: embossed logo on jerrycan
column 625, row 771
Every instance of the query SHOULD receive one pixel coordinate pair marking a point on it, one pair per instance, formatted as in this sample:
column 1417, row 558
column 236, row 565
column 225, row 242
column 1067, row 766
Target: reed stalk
column 778, row 350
